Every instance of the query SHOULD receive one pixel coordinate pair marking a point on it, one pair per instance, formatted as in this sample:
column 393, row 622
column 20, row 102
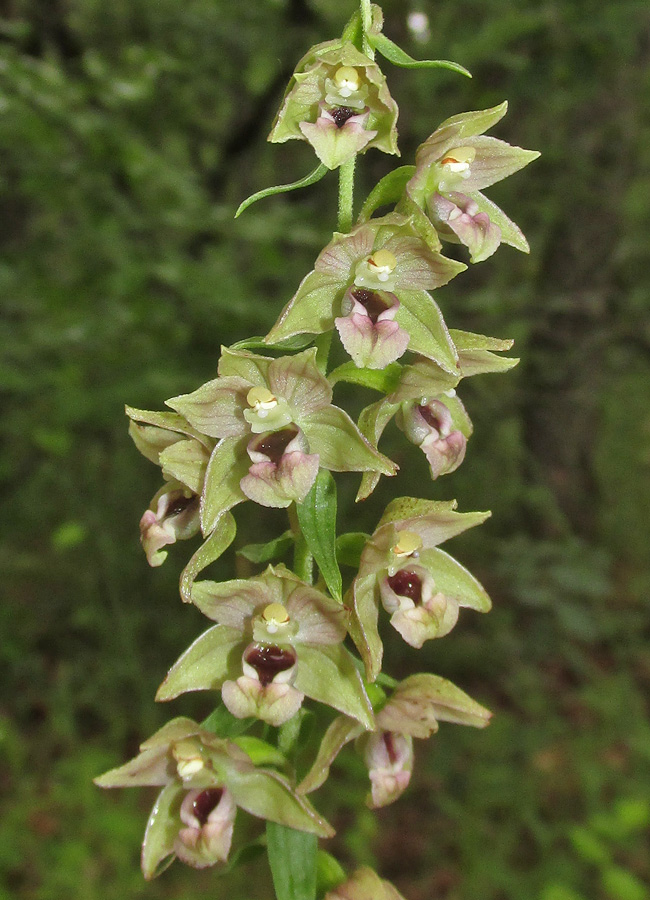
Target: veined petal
column 216, row 408
column 298, row 380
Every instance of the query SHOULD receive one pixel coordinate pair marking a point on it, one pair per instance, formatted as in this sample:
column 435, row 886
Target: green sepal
column 222, row 723
column 210, row 550
column 384, row 380
column 353, row 31
column 317, row 518
column 399, row 57
column 340, row 732
column 297, row 342
column 349, row 548
column 162, row 830
column 312, row 178
column 228, row 465
column 329, row 872
column 206, row 664
column 388, row 190
column 468, row 340
column 363, row 626
column 262, row 553
column 261, row 752
column 510, row 232
column 327, row 674
column 292, row 858
column 268, row 795
column 453, row 580
column 420, row 316
column 341, row 446
column 186, row 461
column 450, row 703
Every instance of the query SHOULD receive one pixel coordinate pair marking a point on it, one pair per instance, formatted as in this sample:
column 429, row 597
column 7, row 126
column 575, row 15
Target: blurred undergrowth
column 129, row 132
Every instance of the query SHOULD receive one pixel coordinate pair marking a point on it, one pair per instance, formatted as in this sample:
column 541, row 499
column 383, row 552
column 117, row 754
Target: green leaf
column 222, row 723
column 399, row 57
column 210, row 550
column 261, row 752
column 292, row 857
column 388, row 190
column 261, row 553
column 317, row 518
column 162, row 828
column 384, row 380
column 349, row 548
column 318, row 173
column 206, row 664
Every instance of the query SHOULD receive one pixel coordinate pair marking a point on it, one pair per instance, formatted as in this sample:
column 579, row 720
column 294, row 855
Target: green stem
column 346, row 195
column 366, row 22
column 303, row 561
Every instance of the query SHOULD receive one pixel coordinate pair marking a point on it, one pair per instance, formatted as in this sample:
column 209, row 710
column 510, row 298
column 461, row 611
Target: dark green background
column 129, row 132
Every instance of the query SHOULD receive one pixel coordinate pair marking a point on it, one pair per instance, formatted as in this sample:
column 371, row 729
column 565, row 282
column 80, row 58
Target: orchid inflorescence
column 266, row 430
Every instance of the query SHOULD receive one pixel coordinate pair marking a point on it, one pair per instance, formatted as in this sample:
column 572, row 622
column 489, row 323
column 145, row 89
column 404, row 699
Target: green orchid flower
column 413, row 710
column 371, row 284
column 452, row 168
column 276, row 641
column 338, row 101
column 275, row 426
column 419, row 585
column 204, row 779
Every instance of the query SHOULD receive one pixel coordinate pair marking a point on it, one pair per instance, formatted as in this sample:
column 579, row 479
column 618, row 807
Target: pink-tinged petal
column 389, row 758
column 320, row 619
column 175, row 516
column 274, row 704
column 298, row 380
column 444, row 455
column 209, row 817
column 234, row 603
column 418, row 267
column 339, row 257
column 336, row 145
column 216, row 408
column 372, row 346
column 471, row 226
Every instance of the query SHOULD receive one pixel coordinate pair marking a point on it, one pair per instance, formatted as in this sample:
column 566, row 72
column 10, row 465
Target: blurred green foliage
column 129, row 133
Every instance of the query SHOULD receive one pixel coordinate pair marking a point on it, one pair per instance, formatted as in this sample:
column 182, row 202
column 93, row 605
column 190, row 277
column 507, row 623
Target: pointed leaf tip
column 312, row 178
